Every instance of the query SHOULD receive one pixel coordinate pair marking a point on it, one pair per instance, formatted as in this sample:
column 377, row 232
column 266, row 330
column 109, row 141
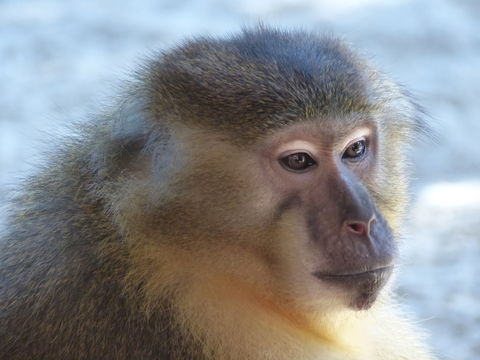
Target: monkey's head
column 272, row 160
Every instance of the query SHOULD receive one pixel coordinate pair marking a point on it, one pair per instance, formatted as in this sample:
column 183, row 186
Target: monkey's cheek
column 361, row 289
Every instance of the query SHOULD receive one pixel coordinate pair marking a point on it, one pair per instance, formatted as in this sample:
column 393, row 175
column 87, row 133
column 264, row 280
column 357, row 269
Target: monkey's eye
column 355, row 151
column 298, row 162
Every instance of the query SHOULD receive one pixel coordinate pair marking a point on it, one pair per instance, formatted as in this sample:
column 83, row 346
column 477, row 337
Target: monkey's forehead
column 259, row 80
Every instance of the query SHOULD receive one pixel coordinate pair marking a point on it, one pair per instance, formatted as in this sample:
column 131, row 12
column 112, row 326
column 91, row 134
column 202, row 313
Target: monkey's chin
column 362, row 288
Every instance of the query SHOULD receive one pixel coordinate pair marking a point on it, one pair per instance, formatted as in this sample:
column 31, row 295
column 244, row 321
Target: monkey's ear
column 421, row 120
column 124, row 138
column 423, row 123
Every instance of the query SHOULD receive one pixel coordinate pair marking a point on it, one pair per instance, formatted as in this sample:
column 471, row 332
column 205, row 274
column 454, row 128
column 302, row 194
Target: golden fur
column 159, row 233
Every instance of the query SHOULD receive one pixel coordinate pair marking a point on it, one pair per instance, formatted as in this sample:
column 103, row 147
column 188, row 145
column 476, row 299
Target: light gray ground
column 60, row 59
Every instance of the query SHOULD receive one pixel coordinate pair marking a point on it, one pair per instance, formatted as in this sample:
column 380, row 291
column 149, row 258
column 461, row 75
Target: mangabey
column 241, row 202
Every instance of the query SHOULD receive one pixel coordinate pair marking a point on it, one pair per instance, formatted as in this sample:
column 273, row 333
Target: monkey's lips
column 364, row 286
column 378, row 272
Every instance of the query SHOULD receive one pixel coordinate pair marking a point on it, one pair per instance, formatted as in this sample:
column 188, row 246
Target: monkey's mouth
column 363, row 286
column 379, row 272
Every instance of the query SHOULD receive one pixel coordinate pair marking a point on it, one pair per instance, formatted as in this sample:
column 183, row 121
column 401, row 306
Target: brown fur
column 149, row 237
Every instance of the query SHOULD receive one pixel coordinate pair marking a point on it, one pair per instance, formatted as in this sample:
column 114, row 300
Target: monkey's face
column 292, row 215
column 284, row 169
column 336, row 243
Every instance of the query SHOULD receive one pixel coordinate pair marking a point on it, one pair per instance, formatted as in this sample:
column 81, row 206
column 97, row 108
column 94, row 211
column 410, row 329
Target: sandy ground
column 59, row 60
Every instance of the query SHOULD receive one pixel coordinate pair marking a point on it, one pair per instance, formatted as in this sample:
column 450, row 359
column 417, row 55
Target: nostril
column 361, row 228
column 357, row 228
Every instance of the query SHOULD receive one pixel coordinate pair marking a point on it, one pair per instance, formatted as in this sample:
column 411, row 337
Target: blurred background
column 60, row 60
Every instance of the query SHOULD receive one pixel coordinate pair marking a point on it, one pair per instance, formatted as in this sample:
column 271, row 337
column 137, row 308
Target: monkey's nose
column 360, row 228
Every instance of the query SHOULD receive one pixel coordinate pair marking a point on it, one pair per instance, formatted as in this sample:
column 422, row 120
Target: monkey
column 241, row 199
